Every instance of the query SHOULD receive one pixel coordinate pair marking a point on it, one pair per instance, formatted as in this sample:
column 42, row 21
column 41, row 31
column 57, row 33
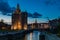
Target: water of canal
column 33, row 36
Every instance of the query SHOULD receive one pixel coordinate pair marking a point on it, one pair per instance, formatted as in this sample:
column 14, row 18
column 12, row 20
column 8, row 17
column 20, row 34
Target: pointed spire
column 35, row 20
column 18, row 7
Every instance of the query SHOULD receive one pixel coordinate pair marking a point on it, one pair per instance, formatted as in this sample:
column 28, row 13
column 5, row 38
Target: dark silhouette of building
column 24, row 20
column 53, row 23
column 19, row 19
column 37, row 25
column 16, row 18
column 4, row 26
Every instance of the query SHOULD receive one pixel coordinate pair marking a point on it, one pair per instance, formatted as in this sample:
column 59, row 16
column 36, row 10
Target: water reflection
column 33, row 36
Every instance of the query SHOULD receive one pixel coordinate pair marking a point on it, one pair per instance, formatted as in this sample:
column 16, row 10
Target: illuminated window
column 3, row 28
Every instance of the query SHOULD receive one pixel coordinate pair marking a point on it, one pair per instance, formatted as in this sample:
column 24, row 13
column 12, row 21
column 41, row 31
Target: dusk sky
column 48, row 8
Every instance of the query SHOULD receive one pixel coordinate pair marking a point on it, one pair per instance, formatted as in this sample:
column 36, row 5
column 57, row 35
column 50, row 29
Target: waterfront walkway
column 51, row 37
column 17, row 34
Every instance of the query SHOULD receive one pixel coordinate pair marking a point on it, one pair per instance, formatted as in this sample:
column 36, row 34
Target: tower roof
column 18, row 8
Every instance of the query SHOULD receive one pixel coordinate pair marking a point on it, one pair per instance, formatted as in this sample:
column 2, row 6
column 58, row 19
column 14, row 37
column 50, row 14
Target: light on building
column 3, row 28
column 25, row 27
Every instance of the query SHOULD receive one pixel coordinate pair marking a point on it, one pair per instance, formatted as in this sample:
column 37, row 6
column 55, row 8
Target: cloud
column 55, row 3
column 5, row 8
column 30, row 15
column 9, row 14
column 36, row 15
column 50, row 2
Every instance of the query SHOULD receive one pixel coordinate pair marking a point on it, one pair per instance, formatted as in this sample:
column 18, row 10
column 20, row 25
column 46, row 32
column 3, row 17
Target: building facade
column 24, row 20
column 4, row 26
column 19, row 19
column 54, row 23
column 38, row 25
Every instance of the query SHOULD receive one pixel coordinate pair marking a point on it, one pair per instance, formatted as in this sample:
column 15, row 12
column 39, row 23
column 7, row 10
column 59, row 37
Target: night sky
column 48, row 8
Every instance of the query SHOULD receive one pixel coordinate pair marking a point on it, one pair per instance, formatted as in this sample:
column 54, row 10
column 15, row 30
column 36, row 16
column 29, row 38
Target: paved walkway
column 52, row 37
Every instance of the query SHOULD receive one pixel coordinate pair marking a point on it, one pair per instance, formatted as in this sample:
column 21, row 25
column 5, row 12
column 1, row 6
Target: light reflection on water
column 33, row 36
